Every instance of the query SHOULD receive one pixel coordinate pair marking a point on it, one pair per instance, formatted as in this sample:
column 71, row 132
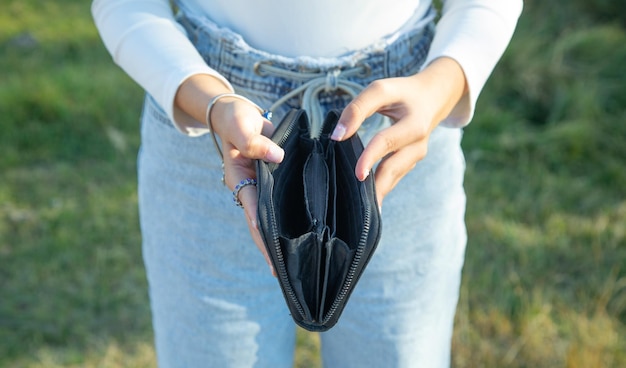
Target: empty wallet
column 319, row 223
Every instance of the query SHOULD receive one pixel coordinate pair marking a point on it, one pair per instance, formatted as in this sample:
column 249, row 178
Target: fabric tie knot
column 314, row 83
column 332, row 80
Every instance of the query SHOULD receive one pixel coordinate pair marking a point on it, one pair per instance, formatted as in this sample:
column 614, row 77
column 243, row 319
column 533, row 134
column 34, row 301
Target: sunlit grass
column 545, row 278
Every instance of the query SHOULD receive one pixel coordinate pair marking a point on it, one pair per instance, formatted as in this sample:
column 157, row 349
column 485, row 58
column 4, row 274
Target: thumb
column 363, row 106
column 258, row 146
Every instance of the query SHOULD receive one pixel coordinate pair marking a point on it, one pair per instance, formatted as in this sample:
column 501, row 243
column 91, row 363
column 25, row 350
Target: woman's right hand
column 244, row 134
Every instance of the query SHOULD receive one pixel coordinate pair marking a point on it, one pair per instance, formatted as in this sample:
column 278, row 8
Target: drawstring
column 314, row 84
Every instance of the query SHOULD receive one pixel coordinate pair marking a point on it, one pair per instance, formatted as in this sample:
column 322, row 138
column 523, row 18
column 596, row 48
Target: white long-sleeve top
column 152, row 48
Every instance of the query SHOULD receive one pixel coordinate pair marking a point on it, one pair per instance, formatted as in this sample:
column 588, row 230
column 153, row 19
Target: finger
column 247, row 136
column 248, row 198
column 236, row 166
column 256, row 146
column 258, row 241
column 268, row 128
column 387, row 141
column 244, row 128
column 394, row 167
column 372, row 99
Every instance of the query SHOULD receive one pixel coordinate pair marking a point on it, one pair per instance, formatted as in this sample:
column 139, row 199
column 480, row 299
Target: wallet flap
column 337, row 260
column 304, row 257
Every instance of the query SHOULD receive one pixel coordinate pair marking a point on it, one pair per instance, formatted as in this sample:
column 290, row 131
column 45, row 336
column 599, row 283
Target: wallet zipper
column 287, row 133
column 282, row 271
column 355, row 262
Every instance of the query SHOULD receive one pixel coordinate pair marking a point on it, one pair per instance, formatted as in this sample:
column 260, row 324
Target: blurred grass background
column 545, row 277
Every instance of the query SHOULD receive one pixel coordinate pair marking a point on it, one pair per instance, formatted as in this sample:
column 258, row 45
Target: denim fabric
column 214, row 301
column 395, row 56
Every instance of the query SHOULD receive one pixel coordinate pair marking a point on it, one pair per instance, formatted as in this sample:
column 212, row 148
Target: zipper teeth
column 285, row 136
column 351, row 272
column 282, row 271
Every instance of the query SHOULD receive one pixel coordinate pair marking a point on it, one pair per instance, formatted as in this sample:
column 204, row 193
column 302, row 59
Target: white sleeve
column 475, row 33
column 152, row 48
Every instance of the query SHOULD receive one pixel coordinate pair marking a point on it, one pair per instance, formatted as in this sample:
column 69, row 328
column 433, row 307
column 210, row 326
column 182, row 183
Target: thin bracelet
column 266, row 114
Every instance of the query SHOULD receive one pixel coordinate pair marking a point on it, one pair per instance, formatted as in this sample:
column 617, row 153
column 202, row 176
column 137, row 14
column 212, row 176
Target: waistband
column 316, row 84
column 213, row 42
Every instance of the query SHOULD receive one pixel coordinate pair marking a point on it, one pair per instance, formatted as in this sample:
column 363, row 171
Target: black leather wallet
column 319, row 223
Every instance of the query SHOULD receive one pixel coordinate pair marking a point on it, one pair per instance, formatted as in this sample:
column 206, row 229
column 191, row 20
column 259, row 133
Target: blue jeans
column 214, row 301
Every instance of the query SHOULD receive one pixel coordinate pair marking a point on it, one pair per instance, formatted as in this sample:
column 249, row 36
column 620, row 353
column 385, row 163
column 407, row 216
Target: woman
column 213, row 301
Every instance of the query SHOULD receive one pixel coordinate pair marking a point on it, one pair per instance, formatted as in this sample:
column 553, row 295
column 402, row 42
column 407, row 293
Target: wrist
column 196, row 92
column 446, row 84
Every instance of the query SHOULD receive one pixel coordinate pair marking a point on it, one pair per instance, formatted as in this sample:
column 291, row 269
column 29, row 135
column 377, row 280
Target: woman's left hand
column 416, row 105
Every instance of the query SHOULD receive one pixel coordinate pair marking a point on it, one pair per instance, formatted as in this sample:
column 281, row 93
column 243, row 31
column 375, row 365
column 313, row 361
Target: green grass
column 545, row 277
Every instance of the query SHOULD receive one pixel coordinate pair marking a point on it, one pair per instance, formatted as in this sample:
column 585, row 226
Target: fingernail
column 339, row 132
column 364, row 175
column 275, row 154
